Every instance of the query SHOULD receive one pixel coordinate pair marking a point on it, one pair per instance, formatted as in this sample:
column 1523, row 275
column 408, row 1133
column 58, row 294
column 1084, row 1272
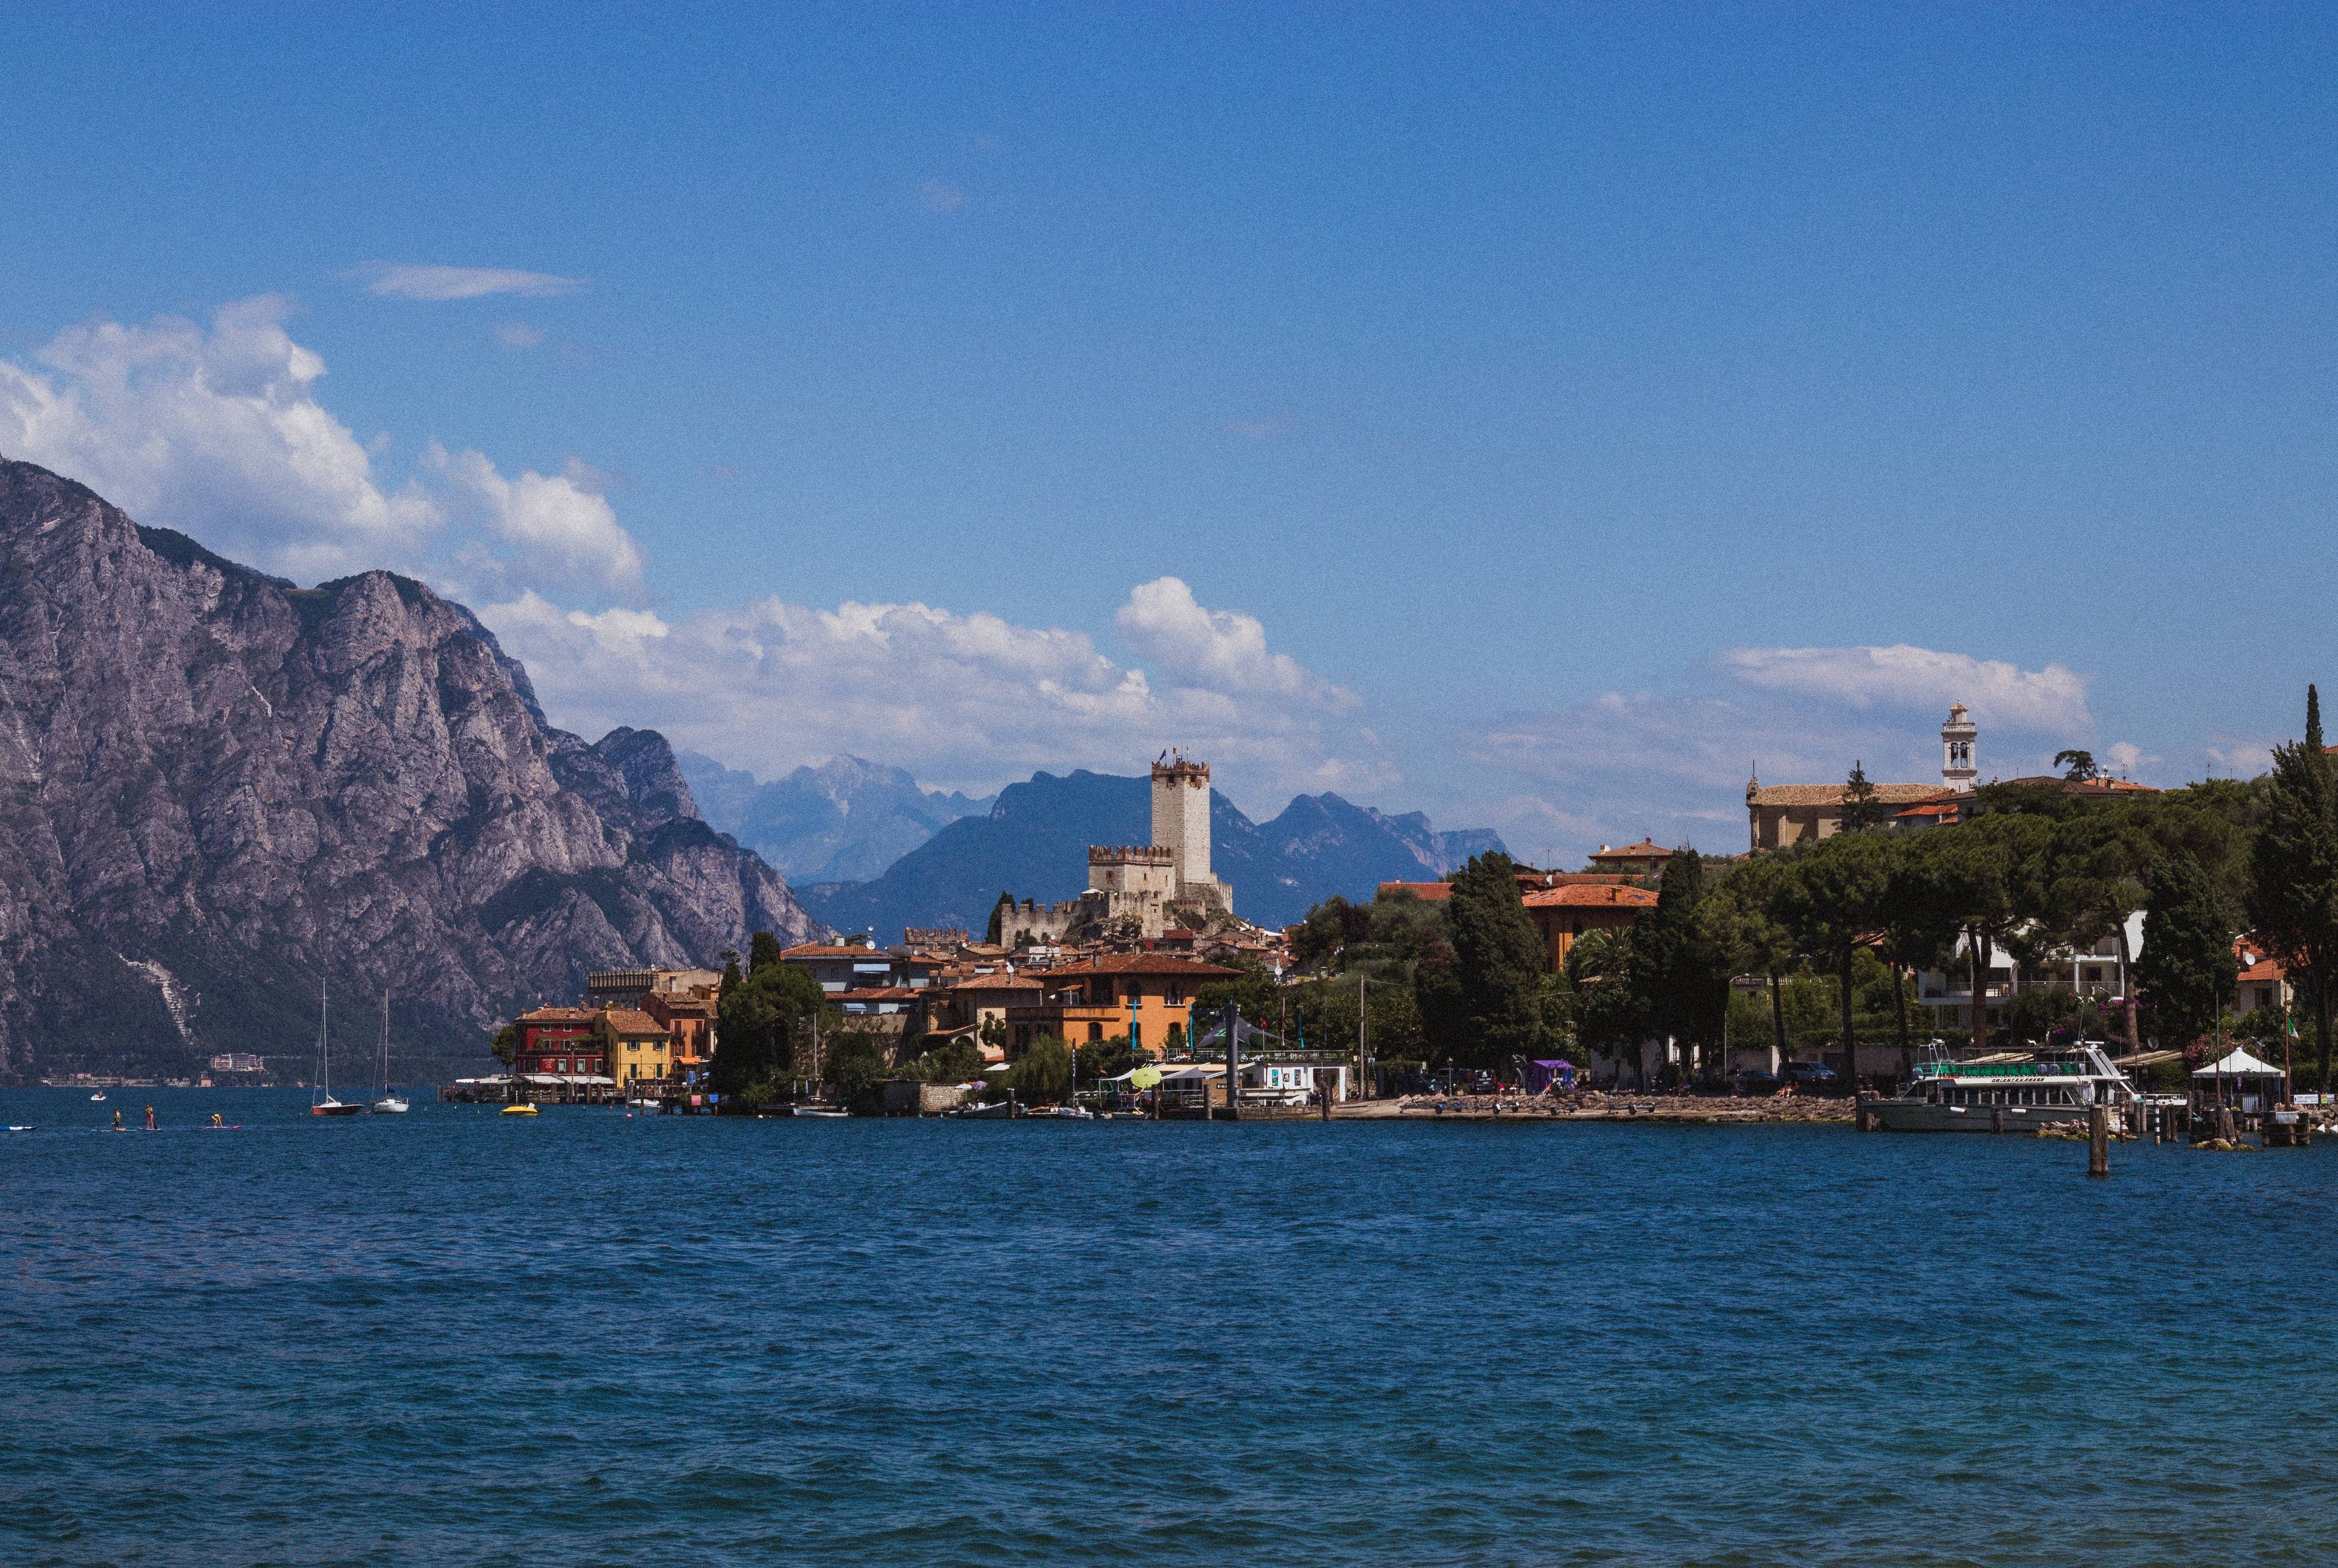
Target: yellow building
column 640, row 1050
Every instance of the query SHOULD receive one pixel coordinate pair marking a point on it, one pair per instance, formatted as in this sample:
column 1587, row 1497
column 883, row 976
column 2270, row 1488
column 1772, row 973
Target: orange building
column 689, row 1022
column 1562, row 914
column 1145, row 996
column 1645, row 858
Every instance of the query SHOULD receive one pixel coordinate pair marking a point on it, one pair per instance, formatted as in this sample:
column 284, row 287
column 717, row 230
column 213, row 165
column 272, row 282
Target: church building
column 1780, row 814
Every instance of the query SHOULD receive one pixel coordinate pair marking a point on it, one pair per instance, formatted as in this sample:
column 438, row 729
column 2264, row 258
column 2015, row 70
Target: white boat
column 821, row 1111
column 996, row 1111
column 98, row 1096
column 390, row 1104
column 1066, row 1113
column 322, row 1103
column 2010, row 1092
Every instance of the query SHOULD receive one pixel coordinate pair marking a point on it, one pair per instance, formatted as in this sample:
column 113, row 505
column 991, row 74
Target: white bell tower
column 1957, row 770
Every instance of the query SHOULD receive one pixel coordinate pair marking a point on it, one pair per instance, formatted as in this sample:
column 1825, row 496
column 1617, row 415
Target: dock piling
column 2099, row 1141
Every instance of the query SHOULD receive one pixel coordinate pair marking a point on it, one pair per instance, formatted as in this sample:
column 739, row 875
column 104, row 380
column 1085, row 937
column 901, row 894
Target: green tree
column 1682, row 981
column 1989, row 877
column 2187, row 965
column 2293, row 897
column 507, row 1044
column 1863, row 811
column 996, row 932
column 1497, row 961
column 1043, row 1074
column 1916, row 931
column 1611, row 1017
column 1742, row 925
column 857, row 1064
column 762, row 948
column 1831, row 902
column 758, row 1024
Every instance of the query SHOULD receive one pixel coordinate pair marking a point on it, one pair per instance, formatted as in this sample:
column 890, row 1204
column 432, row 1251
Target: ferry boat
column 2008, row 1092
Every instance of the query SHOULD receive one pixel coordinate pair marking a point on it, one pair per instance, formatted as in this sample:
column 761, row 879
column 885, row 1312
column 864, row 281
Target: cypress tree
column 1862, row 812
column 2187, row 967
column 2292, row 900
column 1497, row 961
column 761, row 948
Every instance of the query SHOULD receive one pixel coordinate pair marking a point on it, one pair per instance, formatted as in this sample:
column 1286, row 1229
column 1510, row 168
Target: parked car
column 1814, row 1077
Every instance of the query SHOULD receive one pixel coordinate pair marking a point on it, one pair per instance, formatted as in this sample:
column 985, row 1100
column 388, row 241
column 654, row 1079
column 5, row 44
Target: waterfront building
column 632, row 987
column 560, row 1042
column 689, row 1024
column 841, row 966
column 1145, row 997
column 638, row 1048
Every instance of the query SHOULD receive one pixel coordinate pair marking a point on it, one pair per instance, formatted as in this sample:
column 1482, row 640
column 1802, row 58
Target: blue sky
column 1527, row 415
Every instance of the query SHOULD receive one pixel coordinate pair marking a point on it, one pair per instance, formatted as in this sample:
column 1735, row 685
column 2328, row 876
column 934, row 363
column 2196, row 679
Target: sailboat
column 324, row 1104
column 390, row 1104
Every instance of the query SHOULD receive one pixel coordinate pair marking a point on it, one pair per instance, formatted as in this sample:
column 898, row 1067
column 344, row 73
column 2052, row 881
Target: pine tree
column 1681, row 981
column 761, row 948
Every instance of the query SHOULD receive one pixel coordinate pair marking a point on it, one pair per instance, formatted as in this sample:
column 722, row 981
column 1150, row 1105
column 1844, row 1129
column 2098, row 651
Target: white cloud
column 217, row 434
column 562, row 527
column 435, row 284
column 220, row 434
column 2052, row 699
column 1220, row 650
column 518, row 334
column 936, row 197
column 960, row 700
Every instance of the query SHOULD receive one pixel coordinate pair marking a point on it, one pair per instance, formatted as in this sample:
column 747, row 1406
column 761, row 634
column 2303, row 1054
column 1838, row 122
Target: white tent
column 2239, row 1064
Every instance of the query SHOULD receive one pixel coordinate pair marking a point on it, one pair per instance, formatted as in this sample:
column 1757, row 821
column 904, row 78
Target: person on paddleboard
column 117, row 1118
column 150, row 1118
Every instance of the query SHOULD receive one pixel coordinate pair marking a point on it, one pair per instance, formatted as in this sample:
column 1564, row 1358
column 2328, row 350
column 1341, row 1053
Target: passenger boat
column 2011, row 1092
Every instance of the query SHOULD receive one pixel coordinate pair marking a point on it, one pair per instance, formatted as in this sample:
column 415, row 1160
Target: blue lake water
column 457, row 1337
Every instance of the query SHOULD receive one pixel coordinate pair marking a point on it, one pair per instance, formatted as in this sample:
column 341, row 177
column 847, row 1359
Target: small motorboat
column 997, row 1110
column 829, row 1111
column 1067, row 1113
column 519, row 1110
column 97, row 1097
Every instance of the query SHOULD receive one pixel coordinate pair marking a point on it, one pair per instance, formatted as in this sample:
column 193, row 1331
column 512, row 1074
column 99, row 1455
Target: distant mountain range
column 845, row 821
column 217, row 788
column 1034, row 841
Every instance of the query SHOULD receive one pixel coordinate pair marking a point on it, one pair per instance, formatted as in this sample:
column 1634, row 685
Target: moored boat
column 323, row 1104
column 522, row 1109
column 390, row 1104
column 2007, row 1092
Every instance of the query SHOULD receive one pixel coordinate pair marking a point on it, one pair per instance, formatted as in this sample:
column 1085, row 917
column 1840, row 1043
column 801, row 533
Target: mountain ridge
column 217, row 788
column 1033, row 842
column 844, row 820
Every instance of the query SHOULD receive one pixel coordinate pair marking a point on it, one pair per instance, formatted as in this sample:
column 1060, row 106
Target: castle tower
column 1181, row 815
column 1957, row 769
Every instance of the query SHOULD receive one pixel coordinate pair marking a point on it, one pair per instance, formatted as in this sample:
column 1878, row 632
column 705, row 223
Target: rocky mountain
column 845, row 821
column 217, row 788
column 1034, row 843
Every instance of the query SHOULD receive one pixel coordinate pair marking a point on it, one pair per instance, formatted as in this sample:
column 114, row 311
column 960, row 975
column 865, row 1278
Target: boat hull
column 1920, row 1116
column 335, row 1109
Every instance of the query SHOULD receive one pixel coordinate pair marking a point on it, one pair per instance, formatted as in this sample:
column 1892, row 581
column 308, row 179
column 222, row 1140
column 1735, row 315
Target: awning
column 2239, row 1064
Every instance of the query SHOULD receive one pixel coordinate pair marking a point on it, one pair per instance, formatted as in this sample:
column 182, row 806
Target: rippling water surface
column 457, row 1337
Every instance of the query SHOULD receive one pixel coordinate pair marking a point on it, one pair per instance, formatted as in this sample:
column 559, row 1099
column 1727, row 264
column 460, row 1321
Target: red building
column 561, row 1039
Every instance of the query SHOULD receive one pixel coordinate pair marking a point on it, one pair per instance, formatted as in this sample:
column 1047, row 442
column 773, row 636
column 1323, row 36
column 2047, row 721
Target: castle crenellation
column 1142, row 889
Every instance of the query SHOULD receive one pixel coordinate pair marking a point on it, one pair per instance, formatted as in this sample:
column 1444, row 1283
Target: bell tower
column 1957, row 769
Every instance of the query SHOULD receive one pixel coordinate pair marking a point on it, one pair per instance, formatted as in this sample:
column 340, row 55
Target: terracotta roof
column 1144, row 963
column 996, row 983
column 1645, row 849
column 876, row 994
column 1931, row 809
column 558, row 1015
column 2255, row 963
column 631, row 1021
column 1832, row 794
column 1427, row 892
column 834, row 950
column 2086, row 786
column 1594, row 898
